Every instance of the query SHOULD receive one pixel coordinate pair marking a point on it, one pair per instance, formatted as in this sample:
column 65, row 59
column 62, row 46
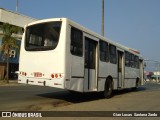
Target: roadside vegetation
column 9, row 34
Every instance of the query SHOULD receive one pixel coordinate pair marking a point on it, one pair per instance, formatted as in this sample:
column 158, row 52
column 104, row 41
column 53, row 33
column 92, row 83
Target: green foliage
column 8, row 42
column 9, row 38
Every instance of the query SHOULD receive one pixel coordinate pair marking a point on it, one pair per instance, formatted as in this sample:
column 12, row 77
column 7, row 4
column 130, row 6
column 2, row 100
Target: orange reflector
column 56, row 75
column 23, row 73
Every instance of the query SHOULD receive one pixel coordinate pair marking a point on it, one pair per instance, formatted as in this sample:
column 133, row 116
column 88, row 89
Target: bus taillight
column 23, row 73
column 56, row 75
column 52, row 75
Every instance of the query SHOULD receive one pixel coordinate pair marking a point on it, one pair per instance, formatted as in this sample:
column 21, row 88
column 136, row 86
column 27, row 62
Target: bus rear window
column 41, row 37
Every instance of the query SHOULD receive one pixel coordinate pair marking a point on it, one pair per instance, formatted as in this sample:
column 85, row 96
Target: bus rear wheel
column 136, row 86
column 108, row 89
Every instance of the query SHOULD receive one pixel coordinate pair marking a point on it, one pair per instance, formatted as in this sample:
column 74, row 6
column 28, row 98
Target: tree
column 9, row 33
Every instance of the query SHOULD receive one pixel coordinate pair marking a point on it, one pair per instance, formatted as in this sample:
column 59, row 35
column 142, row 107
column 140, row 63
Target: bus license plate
column 37, row 74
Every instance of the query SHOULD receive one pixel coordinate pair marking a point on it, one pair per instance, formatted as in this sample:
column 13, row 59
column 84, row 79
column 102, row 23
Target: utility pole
column 157, row 71
column 17, row 6
column 102, row 17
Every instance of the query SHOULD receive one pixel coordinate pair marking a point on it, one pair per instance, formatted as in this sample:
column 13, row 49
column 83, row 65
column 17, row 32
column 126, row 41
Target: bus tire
column 137, row 84
column 108, row 88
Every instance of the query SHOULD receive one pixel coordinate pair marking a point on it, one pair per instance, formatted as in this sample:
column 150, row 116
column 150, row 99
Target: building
column 156, row 76
column 15, row 19
column 148, row 75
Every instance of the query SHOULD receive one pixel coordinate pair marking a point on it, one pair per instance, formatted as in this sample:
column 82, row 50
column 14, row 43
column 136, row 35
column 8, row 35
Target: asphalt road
column 37, row 98
column 26, row 97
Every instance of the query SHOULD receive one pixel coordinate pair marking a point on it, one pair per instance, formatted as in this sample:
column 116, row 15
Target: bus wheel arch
column 136, row 84
column 108, row 87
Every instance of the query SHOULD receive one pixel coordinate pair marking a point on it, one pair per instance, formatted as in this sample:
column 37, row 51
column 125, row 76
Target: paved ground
column 15, row 96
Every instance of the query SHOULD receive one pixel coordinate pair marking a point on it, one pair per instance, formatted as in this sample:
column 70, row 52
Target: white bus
column 63, row 54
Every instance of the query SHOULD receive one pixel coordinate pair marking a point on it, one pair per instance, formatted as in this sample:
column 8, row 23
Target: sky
column 133, row 23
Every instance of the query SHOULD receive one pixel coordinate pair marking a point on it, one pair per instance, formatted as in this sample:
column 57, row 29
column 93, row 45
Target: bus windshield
column 41, row 37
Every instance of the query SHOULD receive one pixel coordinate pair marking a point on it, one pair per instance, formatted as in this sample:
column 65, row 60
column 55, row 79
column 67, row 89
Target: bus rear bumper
column 57, row 83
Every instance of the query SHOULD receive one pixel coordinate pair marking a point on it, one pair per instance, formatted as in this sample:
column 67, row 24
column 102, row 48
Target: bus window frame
column 104, row 58
column 112, row 55
column 77, row 51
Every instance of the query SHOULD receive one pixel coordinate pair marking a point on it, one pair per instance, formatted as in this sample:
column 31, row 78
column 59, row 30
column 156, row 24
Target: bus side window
column 76, row 42
column 113, row 54
column 137, row 62
column 132, row 61
column 127, row 59
column 104, row 54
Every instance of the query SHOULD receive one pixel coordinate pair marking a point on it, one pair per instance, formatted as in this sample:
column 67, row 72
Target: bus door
column 120, row 69
column 90, row 72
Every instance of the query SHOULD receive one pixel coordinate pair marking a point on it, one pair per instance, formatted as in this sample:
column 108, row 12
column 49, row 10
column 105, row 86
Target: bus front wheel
column 108, row 89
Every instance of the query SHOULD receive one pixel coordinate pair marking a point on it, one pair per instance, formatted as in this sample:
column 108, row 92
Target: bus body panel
column 114, row 75
column 131, row 75
column 45, row 63
column 77, row 73
column 102, row 74
column 74, row 65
